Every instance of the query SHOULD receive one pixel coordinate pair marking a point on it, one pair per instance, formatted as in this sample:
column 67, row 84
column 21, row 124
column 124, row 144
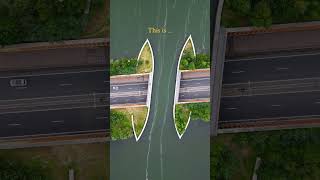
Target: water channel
column 159, row 154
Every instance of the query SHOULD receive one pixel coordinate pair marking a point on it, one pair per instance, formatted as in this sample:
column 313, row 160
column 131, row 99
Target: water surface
column 159, row 154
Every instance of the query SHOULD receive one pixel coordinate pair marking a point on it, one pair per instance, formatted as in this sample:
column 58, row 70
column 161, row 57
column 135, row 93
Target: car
column 115, row 88
column 18, row 82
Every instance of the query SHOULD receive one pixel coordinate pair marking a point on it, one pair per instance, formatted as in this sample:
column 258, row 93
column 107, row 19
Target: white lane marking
column 232, row 108
column 237, row 72
column 14, row 124
column 129, row 88
column 133, row 84
column 65, row 84
column 272, row 57
column 48, row 74
column 63, row 133
column 51, row 109
column 282, row 68
column 106, row 81
column 275, row 105
column 103, row 117
column 195, row 79
column 264, row 94
column 50, row 97
column 317, row 102
column 272, row 118
column 21, row 87
column 57, row 121
column 283, row 80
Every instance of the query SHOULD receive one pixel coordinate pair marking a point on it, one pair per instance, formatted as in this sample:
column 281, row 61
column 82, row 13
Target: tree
column 241, row 6
column 262, row 15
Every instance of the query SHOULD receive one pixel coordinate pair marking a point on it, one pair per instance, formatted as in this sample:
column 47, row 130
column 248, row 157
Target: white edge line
column 147, row 42
column 178, row 71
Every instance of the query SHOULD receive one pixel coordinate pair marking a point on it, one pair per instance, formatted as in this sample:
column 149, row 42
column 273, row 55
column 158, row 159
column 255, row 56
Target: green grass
column 199, row 111
column 285, row 154
column 139, row 116
column 146, row 60
column 90, row 161
column 124, row 66
column 120, row 123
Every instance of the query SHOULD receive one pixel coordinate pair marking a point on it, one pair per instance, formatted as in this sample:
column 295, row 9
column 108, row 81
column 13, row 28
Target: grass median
column 199, row 111
column 190, row 61
column 121, row 126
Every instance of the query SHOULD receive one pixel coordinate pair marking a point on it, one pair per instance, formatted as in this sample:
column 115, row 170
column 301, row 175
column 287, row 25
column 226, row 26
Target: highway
column 266, row 88
column 244, row 108
column 272, row 68
column 133, row 91
column 54, row 102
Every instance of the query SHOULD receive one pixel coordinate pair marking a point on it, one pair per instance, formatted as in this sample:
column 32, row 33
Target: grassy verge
column 146, row 60
column 285, row 154
column 88, row 160
column 121, row 127
column 199, row 111
column 263, row 13
column 124, row 66
column 139, row 116
column 190, row 62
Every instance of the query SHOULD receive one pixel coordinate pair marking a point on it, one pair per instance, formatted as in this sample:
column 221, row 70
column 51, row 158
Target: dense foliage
column 124, row 66
column 223, row 162
column 120, row 125
column 181, row 117
column 41, row 20
column 199, row 111
column 286, row 154
column 267, row 12
column 11, row 169
column 190, row 62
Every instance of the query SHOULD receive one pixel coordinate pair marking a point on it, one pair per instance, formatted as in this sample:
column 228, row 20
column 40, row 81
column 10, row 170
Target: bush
column 223, row 162
column 121, row 127
column 263, row 13
column 11, row 169
column 190, row 62
column 124, row 66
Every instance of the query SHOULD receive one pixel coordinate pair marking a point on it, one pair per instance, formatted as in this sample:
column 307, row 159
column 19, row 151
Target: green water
column 159, row 154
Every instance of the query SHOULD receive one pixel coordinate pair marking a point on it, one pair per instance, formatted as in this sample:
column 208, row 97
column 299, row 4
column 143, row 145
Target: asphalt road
column 270, row 106
column 273, row 68
column 286, row 86
column 54, row 102
column 136, row 93
column 197, row 88
column 54, row 122
column 129, row 93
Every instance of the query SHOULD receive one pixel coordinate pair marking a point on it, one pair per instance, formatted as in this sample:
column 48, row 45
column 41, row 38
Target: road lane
column 269, row 106
column 195, row 85
column 54, row 122
column 44, row 84
column 269, row 69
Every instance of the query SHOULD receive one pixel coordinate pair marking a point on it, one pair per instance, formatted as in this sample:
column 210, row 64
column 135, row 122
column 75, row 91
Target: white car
column 18, row 82
column 115, row 88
